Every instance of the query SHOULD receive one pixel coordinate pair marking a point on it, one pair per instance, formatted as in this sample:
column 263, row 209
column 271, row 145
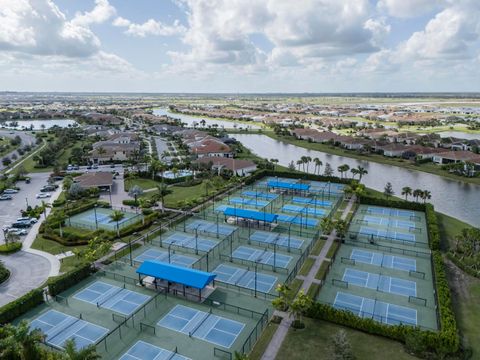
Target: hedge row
column 400, row 204
column 14, row 309
column 62, row 282
column 448, row 325
column 432, row 227
column 294, row 175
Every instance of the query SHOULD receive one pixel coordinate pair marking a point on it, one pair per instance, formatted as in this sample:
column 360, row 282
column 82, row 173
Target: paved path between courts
column 282, row 330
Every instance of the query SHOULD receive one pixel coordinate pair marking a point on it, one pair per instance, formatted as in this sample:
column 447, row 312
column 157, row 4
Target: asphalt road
column 27, row 271
column 27, row 139
column 10, row 209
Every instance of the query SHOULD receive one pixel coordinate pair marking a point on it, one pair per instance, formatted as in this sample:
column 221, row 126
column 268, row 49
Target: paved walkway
column 282, row 330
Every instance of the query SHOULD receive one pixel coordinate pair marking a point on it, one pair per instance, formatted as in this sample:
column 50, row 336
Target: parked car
column 43, row 195
column 48, row 188
column 10, row 191
column 95, row 166
column 21, row 224
column 19, row 232
column 29, row 219
column 6, row 197
column 76, row 167
column 89, row 167
column 69, row 167
column 112, row 166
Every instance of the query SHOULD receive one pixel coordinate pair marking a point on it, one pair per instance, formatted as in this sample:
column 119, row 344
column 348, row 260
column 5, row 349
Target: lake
column 454, row 198
column 37, row 124
column 459, row 134
column 191, row 120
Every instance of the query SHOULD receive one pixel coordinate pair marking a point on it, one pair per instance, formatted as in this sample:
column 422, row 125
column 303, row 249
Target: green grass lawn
column 307, row 265
column 466, row 301
column 314, row 342
column 330, row 149
column 143, row 183
column 318, row 247
column 54, row 247
column 449, row 228
column 262, row 343
column 186, row 194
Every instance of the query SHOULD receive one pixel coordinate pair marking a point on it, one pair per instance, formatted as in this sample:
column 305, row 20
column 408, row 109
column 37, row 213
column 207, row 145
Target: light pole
column 196, row 240
column 95, row 212
column 26, row 200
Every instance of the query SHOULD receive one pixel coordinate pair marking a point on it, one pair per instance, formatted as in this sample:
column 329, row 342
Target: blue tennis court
column 401, row 224
column 249, row 202
column 112, row 297
column 384, row 260
column 301, row 200
column 59, row 327
column 159, row 255
column 278, row 239
column 188, row 241
column 304, row 210
column 145, row 351
column 380, row 282
column 380, row 311
column 244, row 278
column 209, row 227
column 260, row 195
column 390, row 212
column 297, row 220
column 202, row 325
column 395, row 235
column 262, row 256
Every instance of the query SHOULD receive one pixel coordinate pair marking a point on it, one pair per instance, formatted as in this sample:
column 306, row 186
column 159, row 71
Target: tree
column 343, row 168
column 426, row 195
column 18, row 342
column 285, row 295
column 318, row 165
column 45, row 206
column 341, row 227
column 134, row 192
column 291, row 166
column 117, row 216
column 163, row 190
column 300, row 304
column 328, row 170
column 388, row 190
column 6, row 161
column 326, row 225
column 75, row 191
column 239, row 356
column 299, row 162
column 361, row 171
column 86, row 353
column 341, row 347
column 417, row 193
column 467, row 243
column 407, row 191
column 155, row 166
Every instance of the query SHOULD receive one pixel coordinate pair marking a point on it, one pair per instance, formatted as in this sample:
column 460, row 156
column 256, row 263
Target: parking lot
column 10, row 209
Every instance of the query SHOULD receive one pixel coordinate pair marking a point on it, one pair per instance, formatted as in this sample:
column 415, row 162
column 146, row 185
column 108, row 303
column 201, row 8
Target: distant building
column 238, row 166
column 100, row 180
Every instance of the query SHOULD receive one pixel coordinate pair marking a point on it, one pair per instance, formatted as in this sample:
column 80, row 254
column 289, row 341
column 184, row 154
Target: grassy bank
column 334, row 150
column 315, row 339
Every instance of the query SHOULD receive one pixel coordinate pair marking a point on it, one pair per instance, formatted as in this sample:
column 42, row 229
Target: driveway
column 118, row 193
column 10, row 209
column 27, row 271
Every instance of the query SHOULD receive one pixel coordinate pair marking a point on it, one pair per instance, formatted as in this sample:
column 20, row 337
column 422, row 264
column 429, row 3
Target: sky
column 240, row 46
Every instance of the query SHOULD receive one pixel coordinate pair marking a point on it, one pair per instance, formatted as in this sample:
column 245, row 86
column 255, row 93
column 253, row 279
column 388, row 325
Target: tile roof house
column 393, row 150
column 238, row 166
column 118, row 147
column 449, row 157
column 101, row 180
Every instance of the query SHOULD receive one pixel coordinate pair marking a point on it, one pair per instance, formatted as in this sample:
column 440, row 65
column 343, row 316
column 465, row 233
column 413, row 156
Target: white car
column 10, row 191
column 43, row 196
column 31, row 220
column 19, row 232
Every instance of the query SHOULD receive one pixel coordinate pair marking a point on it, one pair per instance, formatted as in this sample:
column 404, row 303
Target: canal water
column 191, row 120
column 454, row 198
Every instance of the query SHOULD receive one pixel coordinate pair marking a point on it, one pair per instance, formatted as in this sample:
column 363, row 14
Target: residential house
column 353, row 143
column 100, row 180
column 450, row 157
column 239, row 167
column 393, row 150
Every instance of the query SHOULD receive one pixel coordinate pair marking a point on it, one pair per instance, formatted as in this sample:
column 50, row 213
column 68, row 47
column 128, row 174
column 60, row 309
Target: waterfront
column 454, row 198
column 37, row 124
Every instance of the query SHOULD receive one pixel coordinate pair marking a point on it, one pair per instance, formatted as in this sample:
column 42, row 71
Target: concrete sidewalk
column 282, row 330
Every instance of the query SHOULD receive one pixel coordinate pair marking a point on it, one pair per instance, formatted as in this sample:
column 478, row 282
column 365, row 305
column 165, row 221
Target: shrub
column 20, row 306
column 400, row 204
column 432, row 227
column 62, row 282
column 10, row 247
column 4, row 273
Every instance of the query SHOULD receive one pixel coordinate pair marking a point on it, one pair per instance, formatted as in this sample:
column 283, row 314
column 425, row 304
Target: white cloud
column 408, row 8
column 150, row 27
column 100, row 13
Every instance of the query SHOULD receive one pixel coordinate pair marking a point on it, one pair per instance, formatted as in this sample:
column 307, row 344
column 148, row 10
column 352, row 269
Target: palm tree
column 416, row 194
column 308, row 160
column 361, row 171
column 45, row 206
column 154, row 167
column 134, row 192
column 18, row 342
column 426, row 195
column 343, row 168
column 163, row 190
column 117, row 216
column 299, row 162
column 86, row 353
column 407, row 191
column 208, row 185
column 318, row 164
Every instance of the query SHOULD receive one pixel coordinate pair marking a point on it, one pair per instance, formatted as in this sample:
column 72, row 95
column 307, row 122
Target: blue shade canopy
column 250, row 214
column 289, row 186
column 177, row 274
